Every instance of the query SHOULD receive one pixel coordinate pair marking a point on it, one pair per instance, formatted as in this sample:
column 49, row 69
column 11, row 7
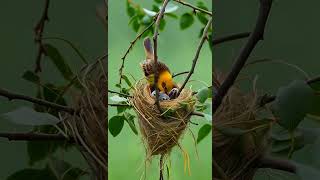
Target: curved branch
column 195, row 59
column 255, row 37
column 181, row 73
column 122, row 94
column 195, row 8
column 12, row 96
column 228, row 38
column 34, row 137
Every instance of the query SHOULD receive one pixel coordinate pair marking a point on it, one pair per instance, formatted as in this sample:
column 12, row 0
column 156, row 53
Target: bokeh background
column 176, row 49
column 291, row 35
column 72, row 20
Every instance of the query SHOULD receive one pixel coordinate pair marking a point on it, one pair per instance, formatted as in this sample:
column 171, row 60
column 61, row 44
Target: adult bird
column 165, row 81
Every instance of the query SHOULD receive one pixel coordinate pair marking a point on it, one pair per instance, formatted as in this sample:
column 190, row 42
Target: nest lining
column 161, row 131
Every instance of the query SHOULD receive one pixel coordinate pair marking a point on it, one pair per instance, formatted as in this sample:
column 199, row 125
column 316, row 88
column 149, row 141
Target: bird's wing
column 147, row 67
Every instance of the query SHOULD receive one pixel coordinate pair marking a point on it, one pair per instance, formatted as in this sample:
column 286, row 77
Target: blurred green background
column 176, row 49
column 291, row 35
column 73, row 20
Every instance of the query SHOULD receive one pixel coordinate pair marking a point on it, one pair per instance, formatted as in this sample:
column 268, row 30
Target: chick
column 162, row 96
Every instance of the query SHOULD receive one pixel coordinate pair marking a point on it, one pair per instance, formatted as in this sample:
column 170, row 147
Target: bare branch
column 12, row 96
column 195, row 59
column 195, row 8
column 228, row 38
column 155, row 44
column 34, row 137
column 38, row 31
column 121, row 94
column 197, row 114
column 117, row 105
column 132, row 43
column 181, row 73
column 255, row 37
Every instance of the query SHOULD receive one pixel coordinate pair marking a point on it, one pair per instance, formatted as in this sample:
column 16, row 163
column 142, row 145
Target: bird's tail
column 148, row 48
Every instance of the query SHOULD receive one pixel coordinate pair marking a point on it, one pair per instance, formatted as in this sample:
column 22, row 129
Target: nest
column 237, row 155
column 161, row 131
column 89, row 126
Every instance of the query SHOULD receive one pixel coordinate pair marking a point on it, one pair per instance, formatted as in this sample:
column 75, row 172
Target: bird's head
column 165, row 82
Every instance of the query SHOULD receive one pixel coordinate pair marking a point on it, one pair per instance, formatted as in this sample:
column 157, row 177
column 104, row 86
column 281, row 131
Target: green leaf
column 65, row 171
column 201, row 5
column 130, row 120
column 33, row 174
column 52, row 93
column 186, row 20
column 149, row 12
column 170, row 8
column 315, row 86
column 203, row 132
column 292, row 104
column 121, row 109
column 115, row 125
column 117, row 98
column 31, row 76
column 126, row 79
column 58, row 61
column 135, row 25
column 202, row 18
column 172, row 15
column 130, row 10
column 162, row 24
column 146, row 20
column 158, row 1
column 203, row 94
column 28, row 116
column 40, row 150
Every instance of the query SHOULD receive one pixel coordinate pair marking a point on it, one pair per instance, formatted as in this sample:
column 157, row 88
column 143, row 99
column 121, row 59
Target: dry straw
column 161, row 130
column 237, row 154
column 89, row 126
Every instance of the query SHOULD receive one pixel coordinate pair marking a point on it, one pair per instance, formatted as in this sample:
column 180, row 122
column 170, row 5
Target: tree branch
column 195, row 8
column 116, row 105
column 181, row 73
column 12, row 96
column 34, row 137
column 195, row 59
column 195, row 113
column 132, row 43
column 228, row 38
column 155, row 44
column 255, row 37
column 121, row 94
column 279, row 164
column 38, row 31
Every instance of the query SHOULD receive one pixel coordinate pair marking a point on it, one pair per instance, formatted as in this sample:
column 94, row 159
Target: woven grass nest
column 89, row 127
column 161, row 131
column 237, row 155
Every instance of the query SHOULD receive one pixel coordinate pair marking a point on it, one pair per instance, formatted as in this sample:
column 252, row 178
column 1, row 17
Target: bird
column 165, row 81
column 162, row 96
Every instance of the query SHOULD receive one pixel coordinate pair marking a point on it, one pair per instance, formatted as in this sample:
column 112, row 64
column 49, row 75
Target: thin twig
column 195, row 113
column 161, row 167
column 195, row 8
column 34, row 137
column 155, row 44
column 117, row 105
column 181, row 73
column 38, row 31
column 279, row 164
column 132, row 43
column 121, row 94
column 12, row 96
column 255, row 37
column 228, row 38
column 195, row 59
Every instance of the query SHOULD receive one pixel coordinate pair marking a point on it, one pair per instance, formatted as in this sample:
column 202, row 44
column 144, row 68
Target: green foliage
column 31, row 76
column 203, row 132
column 59, row 61
column 186, row 20
column 292, row 104
column 115, row 124
column 203, row 94
column 28, row 116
